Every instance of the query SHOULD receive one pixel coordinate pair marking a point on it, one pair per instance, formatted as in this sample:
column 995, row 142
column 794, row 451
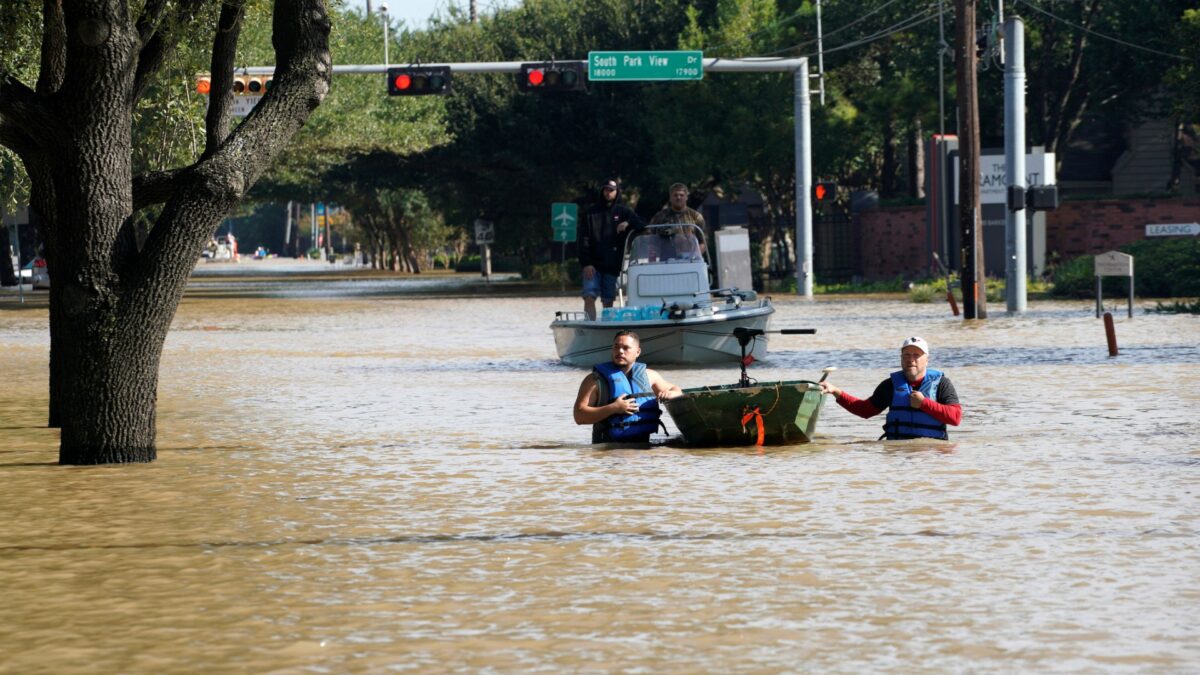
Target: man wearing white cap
column 920, row 400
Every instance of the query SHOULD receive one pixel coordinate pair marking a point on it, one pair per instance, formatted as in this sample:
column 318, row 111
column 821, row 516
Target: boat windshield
column 659, row 243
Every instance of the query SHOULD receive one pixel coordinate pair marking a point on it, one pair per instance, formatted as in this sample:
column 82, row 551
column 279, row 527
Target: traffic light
column 824, row 192
column 547, row 76
column 251, row 85
column 419, row 81
column 243, row 85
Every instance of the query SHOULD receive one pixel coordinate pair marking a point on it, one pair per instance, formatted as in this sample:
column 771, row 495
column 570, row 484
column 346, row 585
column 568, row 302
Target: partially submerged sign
column 1113, row 264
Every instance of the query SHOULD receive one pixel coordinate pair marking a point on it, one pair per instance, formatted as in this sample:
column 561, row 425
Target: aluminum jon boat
column 749, row 413
column 664, row 295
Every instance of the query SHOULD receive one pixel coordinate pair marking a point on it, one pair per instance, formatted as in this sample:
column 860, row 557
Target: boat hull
column 695, row 340
column 730, row 415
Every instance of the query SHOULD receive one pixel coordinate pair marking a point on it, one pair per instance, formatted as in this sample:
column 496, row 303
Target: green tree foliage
column 1093, row 59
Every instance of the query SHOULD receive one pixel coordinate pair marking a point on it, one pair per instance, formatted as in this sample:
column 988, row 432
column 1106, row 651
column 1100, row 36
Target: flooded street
column 383, row 474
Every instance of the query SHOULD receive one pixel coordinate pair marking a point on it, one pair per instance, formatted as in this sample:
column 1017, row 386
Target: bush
column 557, row 273
column 1162, row 268
column 474, row 263
column 1177, row 307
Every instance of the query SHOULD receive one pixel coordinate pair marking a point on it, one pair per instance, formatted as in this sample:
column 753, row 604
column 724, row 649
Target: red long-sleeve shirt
column 946, row 413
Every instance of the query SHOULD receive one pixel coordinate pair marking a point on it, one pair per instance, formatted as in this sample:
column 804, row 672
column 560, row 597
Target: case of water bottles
column 644, row 313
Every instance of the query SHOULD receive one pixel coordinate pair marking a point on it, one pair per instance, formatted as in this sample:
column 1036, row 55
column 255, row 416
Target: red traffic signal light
column 546, row 76
column 823, row 193
column 418, row 81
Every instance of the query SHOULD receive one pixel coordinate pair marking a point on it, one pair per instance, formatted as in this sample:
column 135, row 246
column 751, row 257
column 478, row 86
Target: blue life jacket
column 614, row 383
column 906, row 422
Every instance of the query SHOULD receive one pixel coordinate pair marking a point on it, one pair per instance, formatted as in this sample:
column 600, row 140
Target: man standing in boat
column 920, row 400
column 606, row 226
column 677, row 210
column 606, row 400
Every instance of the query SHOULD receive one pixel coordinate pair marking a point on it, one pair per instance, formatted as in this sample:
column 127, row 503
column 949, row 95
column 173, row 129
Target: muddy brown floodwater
column 376, row 474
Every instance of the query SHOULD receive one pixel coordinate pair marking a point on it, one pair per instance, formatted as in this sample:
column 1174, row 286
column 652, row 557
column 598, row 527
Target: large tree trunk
column 111, row 300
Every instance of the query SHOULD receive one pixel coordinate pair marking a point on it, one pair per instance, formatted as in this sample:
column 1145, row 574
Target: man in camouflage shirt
column 677, row 211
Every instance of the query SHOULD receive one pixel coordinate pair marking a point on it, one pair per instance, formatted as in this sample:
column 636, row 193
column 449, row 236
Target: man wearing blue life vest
column 606, row 399
column 920, row 400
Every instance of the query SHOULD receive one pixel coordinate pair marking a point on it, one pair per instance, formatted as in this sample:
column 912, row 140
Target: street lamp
column 383, row 10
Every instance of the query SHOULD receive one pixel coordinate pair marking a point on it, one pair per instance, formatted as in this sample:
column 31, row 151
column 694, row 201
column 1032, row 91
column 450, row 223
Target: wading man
column 920, row 400
column 606, row 396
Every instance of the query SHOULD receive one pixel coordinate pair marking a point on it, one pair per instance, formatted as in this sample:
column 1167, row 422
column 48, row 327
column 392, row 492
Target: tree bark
column 111, row 301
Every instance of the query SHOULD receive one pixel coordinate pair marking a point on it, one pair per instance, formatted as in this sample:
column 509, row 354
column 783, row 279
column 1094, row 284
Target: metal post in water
column 1110, row 333
column 803, row 154
column 1014, row 159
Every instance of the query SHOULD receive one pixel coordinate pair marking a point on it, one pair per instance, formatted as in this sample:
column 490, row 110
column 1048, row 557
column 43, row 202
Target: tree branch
column 148, row 22
column 54, row 47
column 220, row 97
column 231, row 165
column 24, row 110
column 158, row 41
column 156, row 187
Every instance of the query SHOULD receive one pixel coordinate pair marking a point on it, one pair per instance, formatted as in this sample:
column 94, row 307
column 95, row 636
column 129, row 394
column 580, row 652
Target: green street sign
column 563, row 217
column 633, row 66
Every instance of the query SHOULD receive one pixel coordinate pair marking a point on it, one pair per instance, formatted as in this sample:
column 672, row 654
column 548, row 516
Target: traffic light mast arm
column 751, row 65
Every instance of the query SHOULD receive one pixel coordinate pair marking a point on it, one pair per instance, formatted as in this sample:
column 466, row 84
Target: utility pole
column 1014, row 162
column 974, row 287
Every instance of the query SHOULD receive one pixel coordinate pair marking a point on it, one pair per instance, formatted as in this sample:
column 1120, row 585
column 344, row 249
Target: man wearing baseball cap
column 920, row 400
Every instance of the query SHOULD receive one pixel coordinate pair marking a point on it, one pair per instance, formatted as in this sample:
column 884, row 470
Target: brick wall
column 1083, row 228
column 894, row 242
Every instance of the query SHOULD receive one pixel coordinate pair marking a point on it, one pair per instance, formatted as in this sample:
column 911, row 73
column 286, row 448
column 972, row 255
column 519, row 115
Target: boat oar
column 825, row 373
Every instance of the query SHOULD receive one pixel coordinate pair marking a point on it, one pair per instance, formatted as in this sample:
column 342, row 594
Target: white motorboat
column 665, row 296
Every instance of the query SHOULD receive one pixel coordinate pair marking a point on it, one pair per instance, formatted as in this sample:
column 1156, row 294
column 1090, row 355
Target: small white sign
column 242, row 105
column 485, row 232
column 1172, row 229
column 1114, row 264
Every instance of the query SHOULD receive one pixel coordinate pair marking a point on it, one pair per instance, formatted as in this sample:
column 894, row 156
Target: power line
column 788, row 20
column 928, row 14
column 1099, row 35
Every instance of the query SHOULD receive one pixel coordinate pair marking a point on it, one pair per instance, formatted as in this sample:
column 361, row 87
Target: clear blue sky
column 415, row 13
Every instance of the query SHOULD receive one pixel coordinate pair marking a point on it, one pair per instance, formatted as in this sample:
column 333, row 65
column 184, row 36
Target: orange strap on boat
column 756, row 414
